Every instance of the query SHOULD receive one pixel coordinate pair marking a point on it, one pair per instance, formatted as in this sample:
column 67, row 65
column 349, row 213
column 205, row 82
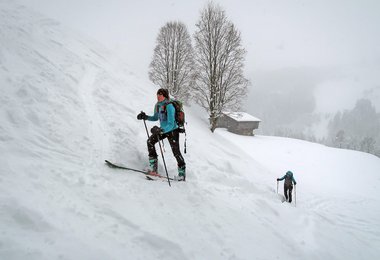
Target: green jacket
column 288, row 175
column 165, row 112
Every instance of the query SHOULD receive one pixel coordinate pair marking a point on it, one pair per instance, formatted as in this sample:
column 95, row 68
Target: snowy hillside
column 66, row 105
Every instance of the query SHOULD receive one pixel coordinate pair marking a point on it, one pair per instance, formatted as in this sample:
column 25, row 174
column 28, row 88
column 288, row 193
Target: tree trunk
column 213, row 123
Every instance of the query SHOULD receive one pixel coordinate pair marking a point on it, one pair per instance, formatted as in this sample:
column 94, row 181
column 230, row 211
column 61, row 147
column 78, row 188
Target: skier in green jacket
column 288, row 185
column 164, row 111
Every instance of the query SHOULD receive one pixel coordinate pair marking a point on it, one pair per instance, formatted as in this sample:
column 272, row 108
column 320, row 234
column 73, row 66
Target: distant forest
column 356, row 129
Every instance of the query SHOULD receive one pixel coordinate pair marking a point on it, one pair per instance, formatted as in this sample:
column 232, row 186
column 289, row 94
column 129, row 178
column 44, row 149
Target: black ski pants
column 288, row 192
column 173, row 138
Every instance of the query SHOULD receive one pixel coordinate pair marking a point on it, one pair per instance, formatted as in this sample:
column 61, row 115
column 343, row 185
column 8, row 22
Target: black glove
column 142, row 116
column 156, row 130
column 278, row 179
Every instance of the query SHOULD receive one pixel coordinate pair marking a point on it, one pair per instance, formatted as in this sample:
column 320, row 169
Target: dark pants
column 288, row 192
column 173, row 138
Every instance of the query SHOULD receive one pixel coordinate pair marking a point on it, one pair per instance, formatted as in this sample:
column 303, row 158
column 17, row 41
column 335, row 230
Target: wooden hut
column 239, row 122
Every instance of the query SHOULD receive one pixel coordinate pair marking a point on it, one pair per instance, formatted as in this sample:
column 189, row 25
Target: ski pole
column 295, row 196
column 184, row 129
column 163, row 159
column 277, row 187
column 147, row 133
column 146, row 128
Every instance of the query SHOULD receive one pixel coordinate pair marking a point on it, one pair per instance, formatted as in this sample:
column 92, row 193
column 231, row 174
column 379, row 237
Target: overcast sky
column 277, row 34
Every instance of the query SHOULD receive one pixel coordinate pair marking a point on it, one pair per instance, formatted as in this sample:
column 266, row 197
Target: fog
column 306, row 59
column 276, row 33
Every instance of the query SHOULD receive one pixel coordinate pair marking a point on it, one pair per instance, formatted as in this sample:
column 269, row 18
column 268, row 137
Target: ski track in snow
column 98, row 130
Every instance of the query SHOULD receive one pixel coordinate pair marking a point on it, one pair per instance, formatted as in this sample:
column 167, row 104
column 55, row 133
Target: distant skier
column 288, row 185
column 165, row 112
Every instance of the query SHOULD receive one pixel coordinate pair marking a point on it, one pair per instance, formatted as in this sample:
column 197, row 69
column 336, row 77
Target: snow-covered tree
column 368, row 144
column 219, row 56
column 361, row 128
column 172, row 63
column 340, row 138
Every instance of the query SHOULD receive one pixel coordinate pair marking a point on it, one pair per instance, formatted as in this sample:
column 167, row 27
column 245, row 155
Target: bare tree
column 172, row 64
column 220, row 84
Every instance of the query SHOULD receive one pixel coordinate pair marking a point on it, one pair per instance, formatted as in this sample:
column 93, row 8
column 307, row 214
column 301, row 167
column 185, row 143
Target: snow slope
column 66, row 105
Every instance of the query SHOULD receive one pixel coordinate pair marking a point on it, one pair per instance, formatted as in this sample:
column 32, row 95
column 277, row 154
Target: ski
column 112, row 165
column 162, row 178
column 149, row 178
column 146, row 173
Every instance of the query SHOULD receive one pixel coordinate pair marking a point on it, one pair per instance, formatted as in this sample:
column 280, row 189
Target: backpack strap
column 164, row 106
column 156, row 108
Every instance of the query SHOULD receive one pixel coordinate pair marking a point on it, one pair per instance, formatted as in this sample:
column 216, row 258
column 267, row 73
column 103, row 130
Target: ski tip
column 109, row 164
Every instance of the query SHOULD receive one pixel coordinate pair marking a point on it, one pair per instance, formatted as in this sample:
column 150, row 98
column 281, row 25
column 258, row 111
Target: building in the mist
column 238, row 122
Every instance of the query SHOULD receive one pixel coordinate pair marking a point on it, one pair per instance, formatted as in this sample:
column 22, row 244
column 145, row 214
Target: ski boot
column 153, row 166
column 181, row 174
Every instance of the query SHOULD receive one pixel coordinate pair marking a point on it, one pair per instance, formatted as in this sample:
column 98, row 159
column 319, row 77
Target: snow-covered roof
column 242, row 117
